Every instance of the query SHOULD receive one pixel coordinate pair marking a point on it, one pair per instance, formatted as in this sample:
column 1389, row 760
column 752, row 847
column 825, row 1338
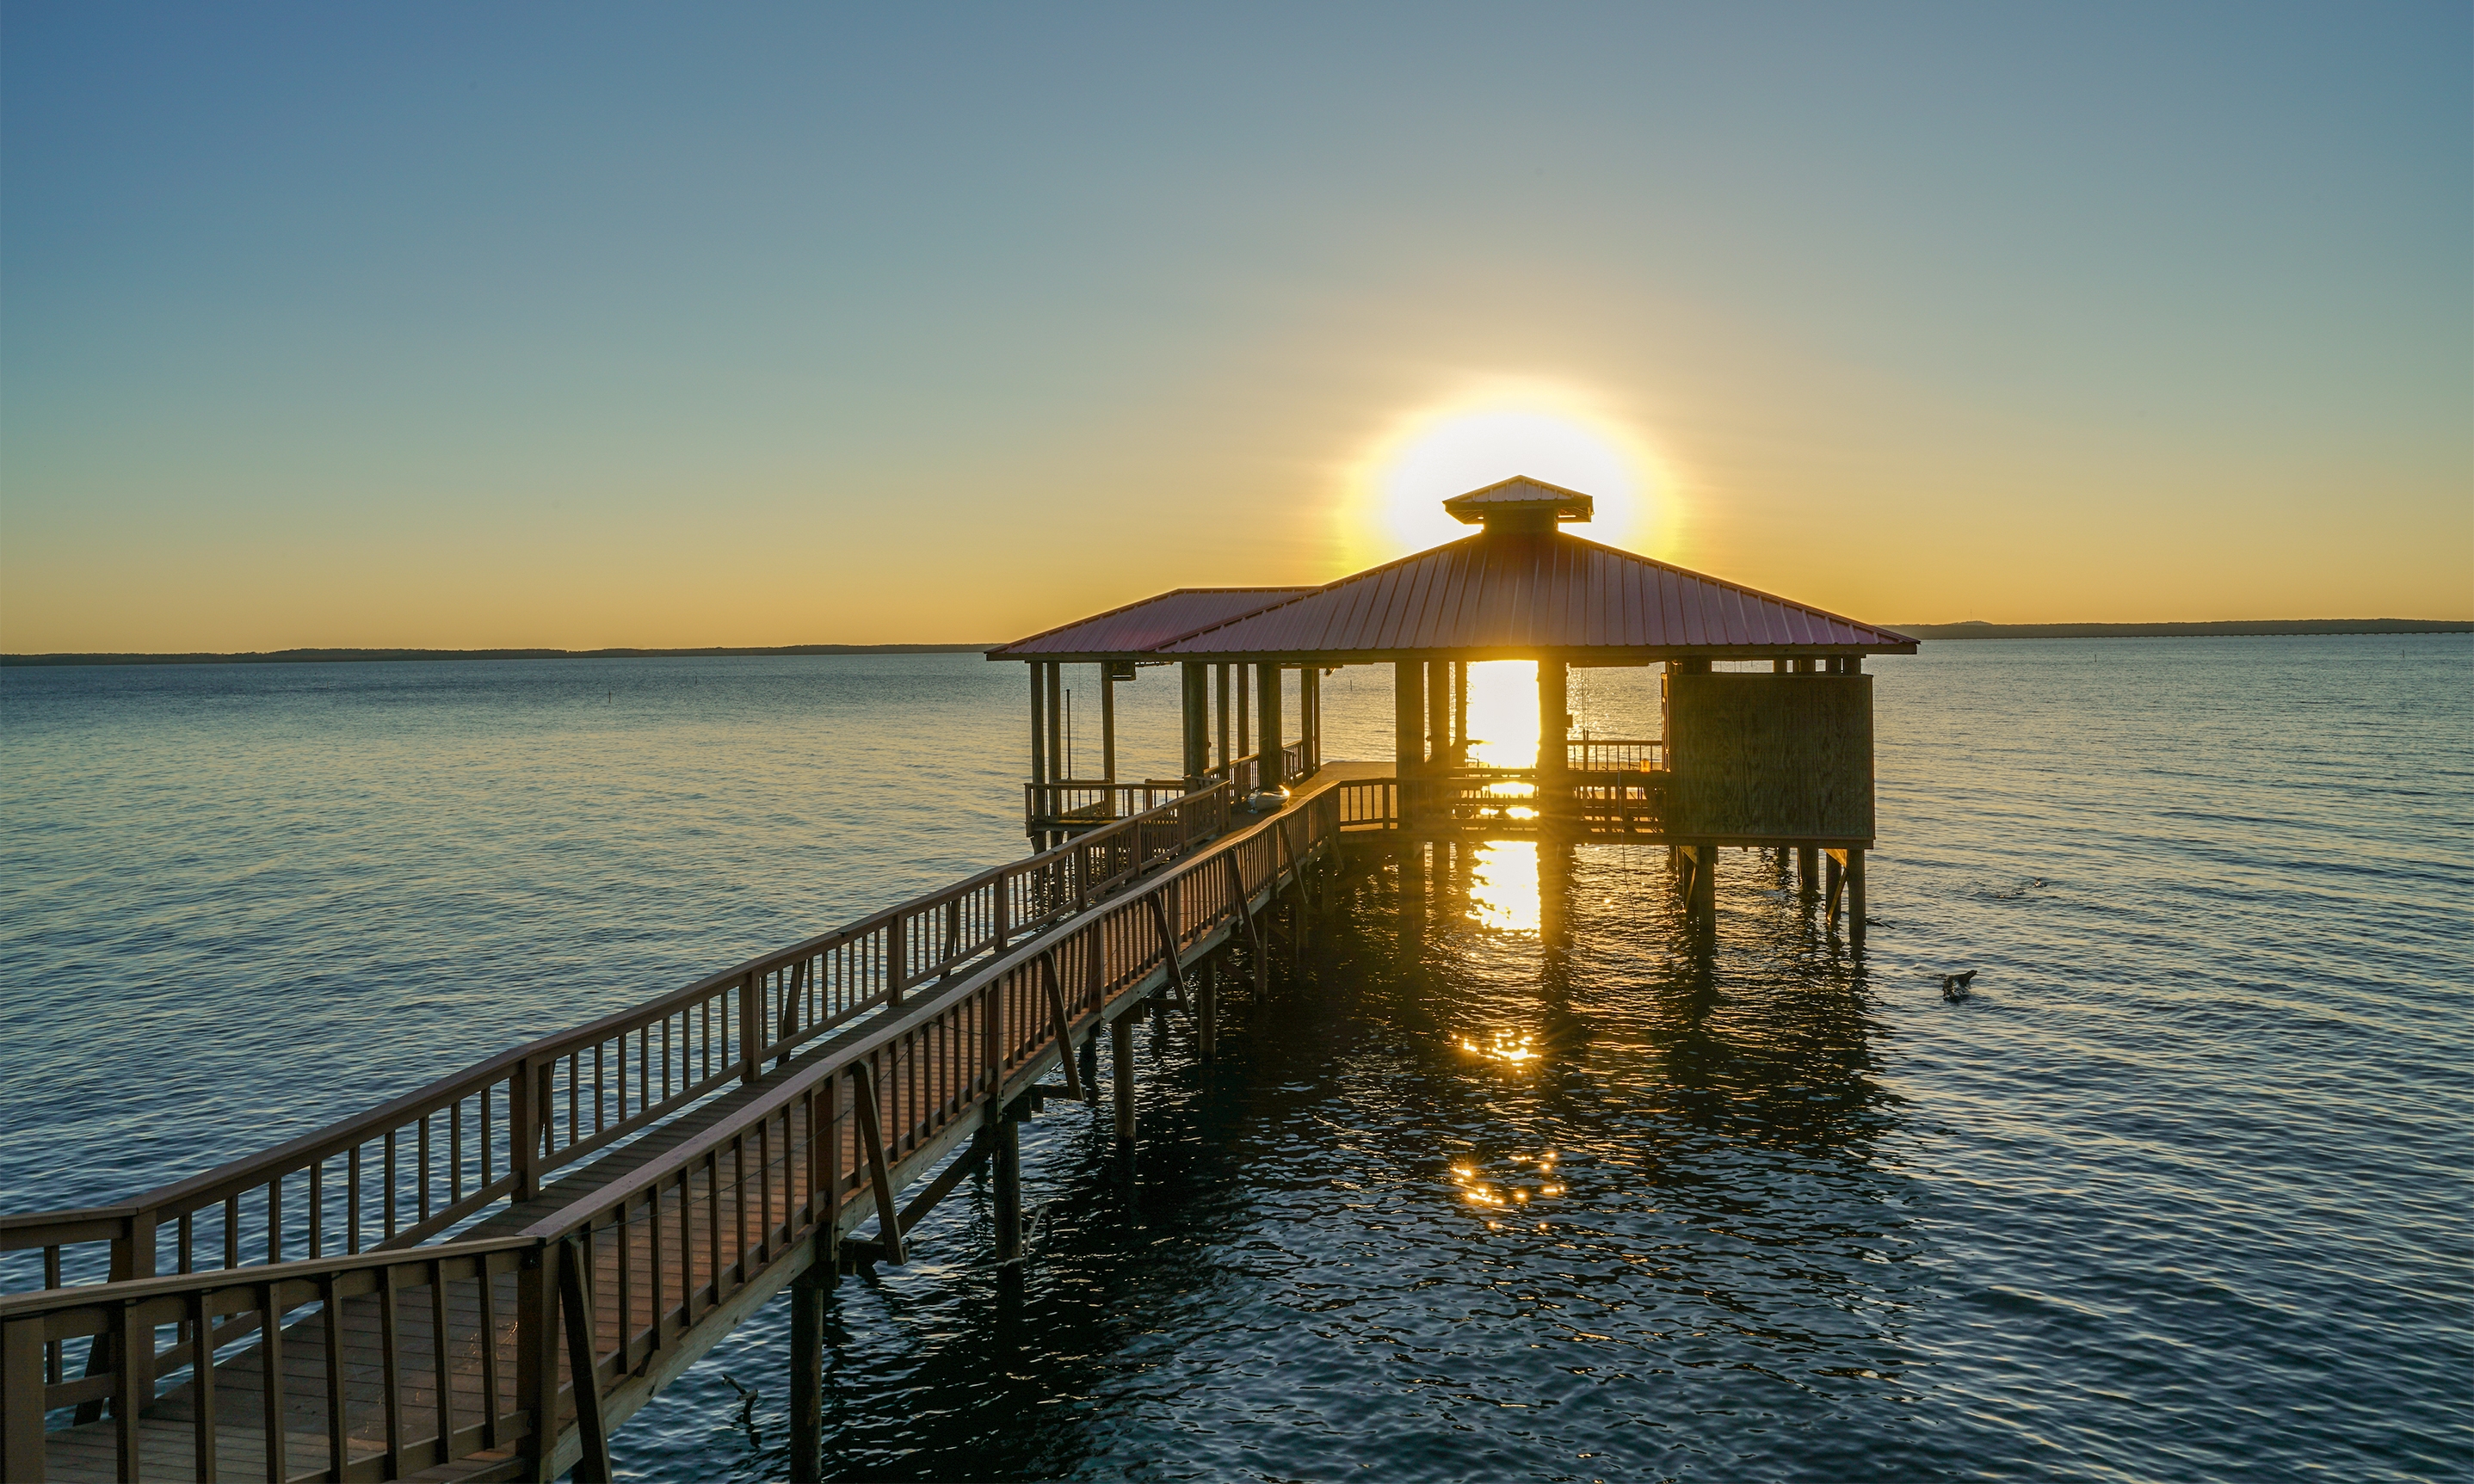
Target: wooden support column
column 1121, row 1079
column 1109, row 727
column 1409, row 736
column 1855, row 898
column 1807, row 871
column 1196, row 694
column 1310, row 714
column 1219, row 680
column 1831, row 881
column 1460, row 702
column 1038, row 724
column 808, row 1294
column 1554, row 731
column 1207, row 1010
column 1267, row 723
column 1006, row 1182
column 537, row 1345
column 1244, row 711
column 1439, row 713
column 1056, row 720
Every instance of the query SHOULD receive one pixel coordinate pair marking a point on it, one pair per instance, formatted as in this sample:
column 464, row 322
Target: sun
column 1495, row 433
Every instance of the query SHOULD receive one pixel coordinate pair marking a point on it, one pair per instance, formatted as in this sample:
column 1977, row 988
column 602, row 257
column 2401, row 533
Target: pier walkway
column 445, row 1306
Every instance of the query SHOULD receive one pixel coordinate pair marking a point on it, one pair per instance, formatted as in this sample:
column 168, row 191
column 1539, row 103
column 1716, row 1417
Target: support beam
column 1460, row 703
column 1807, row 871
column 575, row 1307
column 1855, row 898
column 1439, row 713
column 1061, row 1026
column 879, row 1165
column 1833, row 880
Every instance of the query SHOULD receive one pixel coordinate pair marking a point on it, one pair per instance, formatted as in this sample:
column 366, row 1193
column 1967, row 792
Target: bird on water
column 1954, row 986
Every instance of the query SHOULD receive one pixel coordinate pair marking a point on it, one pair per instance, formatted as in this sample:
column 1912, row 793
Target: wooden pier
column 485, row 1277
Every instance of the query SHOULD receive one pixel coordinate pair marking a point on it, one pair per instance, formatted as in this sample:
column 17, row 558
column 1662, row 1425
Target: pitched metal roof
column 1138, row 628
column 1512, row 594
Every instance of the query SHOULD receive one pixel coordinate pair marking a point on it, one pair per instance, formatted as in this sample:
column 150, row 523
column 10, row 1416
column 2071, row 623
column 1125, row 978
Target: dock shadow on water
column 1500, row 1178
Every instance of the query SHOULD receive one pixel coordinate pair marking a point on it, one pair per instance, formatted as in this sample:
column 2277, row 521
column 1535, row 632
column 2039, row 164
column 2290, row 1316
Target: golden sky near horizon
column 898, row 333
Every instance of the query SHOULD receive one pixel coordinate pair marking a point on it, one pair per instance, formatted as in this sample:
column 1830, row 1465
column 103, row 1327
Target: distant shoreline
column 2253, row 627
column 2259, row 628
column 368, row 655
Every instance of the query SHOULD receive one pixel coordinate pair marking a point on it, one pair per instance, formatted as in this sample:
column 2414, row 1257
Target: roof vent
column 1521, row 504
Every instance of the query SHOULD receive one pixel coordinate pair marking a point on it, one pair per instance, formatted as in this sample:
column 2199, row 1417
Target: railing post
column 751, row 1027
column 537, row 1345
column 897, row 959
column 21, row 1400
column 524, row 1132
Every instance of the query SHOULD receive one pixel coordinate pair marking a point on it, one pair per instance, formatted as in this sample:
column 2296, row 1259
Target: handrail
column 440, row 1154
column 910, row 1076
column 789, row 1161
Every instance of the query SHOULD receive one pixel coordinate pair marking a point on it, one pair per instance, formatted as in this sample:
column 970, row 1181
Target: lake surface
column 1507, row 1183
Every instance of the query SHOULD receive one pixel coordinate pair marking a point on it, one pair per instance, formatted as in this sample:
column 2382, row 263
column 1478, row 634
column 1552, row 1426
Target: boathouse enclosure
column 1781, row 759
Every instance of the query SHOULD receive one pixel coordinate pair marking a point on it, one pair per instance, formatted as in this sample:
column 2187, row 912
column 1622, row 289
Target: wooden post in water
column 1807, row 871
column 1121, row 1079
column 1006, row 1181
column 808, row 1293
column 1855, row 898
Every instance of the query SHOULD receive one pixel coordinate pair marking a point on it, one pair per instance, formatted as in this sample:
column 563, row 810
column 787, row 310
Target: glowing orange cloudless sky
column 575, row 326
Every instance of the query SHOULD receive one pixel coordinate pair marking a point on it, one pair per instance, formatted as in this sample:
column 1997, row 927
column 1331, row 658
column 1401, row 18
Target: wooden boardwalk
column 430, row 1354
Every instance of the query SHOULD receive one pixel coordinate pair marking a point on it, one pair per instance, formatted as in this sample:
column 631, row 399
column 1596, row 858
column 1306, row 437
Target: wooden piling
column 1267, row 723
column 1121, row 1082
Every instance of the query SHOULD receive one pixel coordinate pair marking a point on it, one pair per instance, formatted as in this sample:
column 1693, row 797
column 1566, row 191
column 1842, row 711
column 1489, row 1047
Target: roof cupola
column 1519, row 504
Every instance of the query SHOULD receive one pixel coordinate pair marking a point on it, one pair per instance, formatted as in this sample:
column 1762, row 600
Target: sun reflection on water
column 1503, row 886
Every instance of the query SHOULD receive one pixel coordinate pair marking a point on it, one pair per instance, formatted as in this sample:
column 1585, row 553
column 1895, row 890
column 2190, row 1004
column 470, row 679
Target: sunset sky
column 549, row 324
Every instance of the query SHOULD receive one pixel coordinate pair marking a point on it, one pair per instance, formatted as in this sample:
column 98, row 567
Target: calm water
column 2182, row 1193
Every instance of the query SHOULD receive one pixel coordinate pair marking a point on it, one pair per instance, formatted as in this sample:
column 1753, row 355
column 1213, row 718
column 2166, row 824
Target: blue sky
column 564, row 324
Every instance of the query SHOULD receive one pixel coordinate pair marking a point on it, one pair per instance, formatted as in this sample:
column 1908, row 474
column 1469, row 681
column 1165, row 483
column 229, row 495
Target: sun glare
column 1545, row 433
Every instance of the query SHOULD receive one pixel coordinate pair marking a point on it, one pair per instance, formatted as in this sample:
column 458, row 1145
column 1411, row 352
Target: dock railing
column 441, row 1155
column 598, row 1290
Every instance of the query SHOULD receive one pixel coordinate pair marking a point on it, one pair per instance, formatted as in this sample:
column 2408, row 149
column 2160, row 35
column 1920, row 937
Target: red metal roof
column 1138, row 628
column 1514, row 594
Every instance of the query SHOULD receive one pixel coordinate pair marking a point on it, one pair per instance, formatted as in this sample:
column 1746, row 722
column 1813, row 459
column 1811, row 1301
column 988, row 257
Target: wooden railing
column 1615, row 755
column 411, row 1401
column 1506, row 800
column 441, row 1155
column 830, row 1142
column 1075, row 803
column 602, row 1286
